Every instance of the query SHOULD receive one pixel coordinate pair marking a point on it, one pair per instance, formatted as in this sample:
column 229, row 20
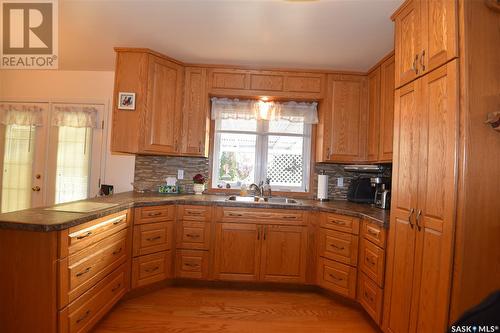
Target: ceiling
column 325, row 34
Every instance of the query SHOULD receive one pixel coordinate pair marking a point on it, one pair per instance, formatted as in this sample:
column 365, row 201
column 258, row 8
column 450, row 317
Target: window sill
column 289, row 194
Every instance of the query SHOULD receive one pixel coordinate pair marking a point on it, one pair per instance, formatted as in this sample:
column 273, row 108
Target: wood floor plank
column 204, row 310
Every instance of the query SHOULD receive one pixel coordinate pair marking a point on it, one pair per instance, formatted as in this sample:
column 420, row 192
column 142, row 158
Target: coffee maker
column 382, row 187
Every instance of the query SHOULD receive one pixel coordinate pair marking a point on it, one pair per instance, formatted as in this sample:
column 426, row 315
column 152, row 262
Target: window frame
column 261, row 148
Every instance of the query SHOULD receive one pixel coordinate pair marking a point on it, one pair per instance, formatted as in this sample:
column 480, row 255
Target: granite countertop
column 41, row 219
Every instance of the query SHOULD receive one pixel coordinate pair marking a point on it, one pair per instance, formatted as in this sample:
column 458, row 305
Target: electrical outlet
column 180, row 174
column 340, row 182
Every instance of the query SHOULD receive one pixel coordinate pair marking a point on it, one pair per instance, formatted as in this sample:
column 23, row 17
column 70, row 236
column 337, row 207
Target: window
column 248, row 151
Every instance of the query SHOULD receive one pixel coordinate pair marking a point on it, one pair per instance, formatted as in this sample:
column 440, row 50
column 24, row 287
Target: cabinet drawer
column 85, row 312
column 372, row 261
column 337, row 277
column 370, row 296
column 194, row 213
column 81, row 271
column 87, row 234
column 340, row 223
column 191, row 264
column 338, row 246
column 256, row 215
column 151, row 238
column 151, row 268
column 193, row 235
column 154, row 214
column 374, row 233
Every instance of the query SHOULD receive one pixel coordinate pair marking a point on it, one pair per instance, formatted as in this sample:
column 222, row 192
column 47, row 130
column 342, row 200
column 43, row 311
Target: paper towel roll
column 322, row 187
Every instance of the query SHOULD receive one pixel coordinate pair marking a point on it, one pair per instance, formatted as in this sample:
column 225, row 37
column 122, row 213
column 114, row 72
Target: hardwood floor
column 181, row 309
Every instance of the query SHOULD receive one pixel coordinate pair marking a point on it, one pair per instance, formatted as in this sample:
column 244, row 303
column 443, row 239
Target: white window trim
column 261, row 148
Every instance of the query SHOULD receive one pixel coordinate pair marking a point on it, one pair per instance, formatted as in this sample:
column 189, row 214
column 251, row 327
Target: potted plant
column 199, row 183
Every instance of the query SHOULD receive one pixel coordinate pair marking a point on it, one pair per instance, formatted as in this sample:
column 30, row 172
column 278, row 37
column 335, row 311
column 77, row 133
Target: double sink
column 268, row 200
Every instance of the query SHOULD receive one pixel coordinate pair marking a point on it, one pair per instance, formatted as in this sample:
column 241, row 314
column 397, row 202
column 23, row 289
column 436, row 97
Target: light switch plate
column 180, row 174
column 340, row 182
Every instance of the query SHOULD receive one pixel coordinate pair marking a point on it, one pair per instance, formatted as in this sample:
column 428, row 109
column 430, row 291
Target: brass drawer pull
column 150, row 239
column 192, row 235
column 84, row 272
column 155, row 214
column 191, row 265
column 370, row 261
column 117, row 251
column 150, row 270
column 337, row 247
column 82, row 318
column 289, row 217
column 409, row 217
column 118, row 222
column 87, row 234
column 368, row 297
column 338, row 222
column 235, row 214
column 117, row 287
column 190, row 212
column 373, row 232
column 335, row 278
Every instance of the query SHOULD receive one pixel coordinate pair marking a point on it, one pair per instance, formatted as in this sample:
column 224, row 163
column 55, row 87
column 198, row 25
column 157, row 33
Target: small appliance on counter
column 382, row 187
column 170, row 187
column 361, row 191
column 322, row 187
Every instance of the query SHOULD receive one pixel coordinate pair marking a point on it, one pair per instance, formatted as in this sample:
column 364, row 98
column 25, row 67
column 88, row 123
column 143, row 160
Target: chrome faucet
column 261, row 188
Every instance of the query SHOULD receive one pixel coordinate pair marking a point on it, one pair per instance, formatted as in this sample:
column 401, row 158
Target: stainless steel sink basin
column 275, row 200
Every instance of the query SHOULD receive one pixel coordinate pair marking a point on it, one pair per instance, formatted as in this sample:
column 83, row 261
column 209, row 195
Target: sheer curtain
column 74, row 144
column 303, row 112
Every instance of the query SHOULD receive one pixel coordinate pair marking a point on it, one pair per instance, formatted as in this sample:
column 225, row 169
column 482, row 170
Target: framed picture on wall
column 126, row 101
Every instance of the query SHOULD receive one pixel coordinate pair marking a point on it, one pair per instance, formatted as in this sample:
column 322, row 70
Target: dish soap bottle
column 243, row 190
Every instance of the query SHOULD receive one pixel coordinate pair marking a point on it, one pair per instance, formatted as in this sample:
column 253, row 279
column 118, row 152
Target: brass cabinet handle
column 367, row 296
column 419, row 214
column 154, row 214
column 117, row 287
column 409, row 217
column 337, row 247
column 192, row 235
column 190, row 212
column 335, row 278
column 265, row 231
column 289, row 217
column 117, row 251
column 370, row 261
column 373, row 232
column 149, row 270
column 199, row 147
column 422, row 62
column 188, row 264
column 234, row 214
column 87, row 234
column 258, row 232
column 83, row 272
column 338, row 222
column 150, row 239
column 82, row 318
column 415, row 62
column 328, row 153
column 118, row 222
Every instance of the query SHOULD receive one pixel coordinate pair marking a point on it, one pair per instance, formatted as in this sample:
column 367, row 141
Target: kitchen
column 325, row 187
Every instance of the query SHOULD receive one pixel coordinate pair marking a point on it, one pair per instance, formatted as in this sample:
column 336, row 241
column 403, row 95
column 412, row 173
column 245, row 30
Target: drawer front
column 151, row 268
column 152, row 237
column 372, row 261
column 256, row 215
column 82, row 314
column 85, row 268
column 194, row 213
column 154, row 214
column 191, row 264
column 338, row 246
column 340, row 223
column 374, row 233
column 337, row 277
column 370, row 296
column 193, row 235
column 89, row 233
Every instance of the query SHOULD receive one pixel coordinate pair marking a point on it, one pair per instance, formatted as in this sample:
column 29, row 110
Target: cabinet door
column 407, row 42
column 237, row 255
column 347, row 119
column 386, row 110
column 436, row 198
column 284, row 250
column 439, row 23
column 373, row 115
column 163, row 106
column 401, row 244
column 195, row 113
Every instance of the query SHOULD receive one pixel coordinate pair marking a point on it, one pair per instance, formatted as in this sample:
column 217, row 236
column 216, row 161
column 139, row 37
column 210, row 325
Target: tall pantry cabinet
column 425, row 161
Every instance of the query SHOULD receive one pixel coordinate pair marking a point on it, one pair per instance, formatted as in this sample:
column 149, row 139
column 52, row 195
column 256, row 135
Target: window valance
column 225, row 108
column 74, row 115
column 28, row 114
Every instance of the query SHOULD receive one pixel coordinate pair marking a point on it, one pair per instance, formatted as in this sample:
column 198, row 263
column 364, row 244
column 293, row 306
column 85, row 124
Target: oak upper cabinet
column 419, row 264
column 196, row 119
column 373, row 115
column 153, row 126
column 343, row 122
column 386, row 110
column 425, row 37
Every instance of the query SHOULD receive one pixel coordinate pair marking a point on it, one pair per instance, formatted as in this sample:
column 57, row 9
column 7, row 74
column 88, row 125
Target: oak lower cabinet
column 254, row 252
column 152, row 244
column 419, row 257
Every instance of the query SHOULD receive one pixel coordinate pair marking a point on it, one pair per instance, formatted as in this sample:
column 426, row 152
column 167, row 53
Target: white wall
column 76, row 86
